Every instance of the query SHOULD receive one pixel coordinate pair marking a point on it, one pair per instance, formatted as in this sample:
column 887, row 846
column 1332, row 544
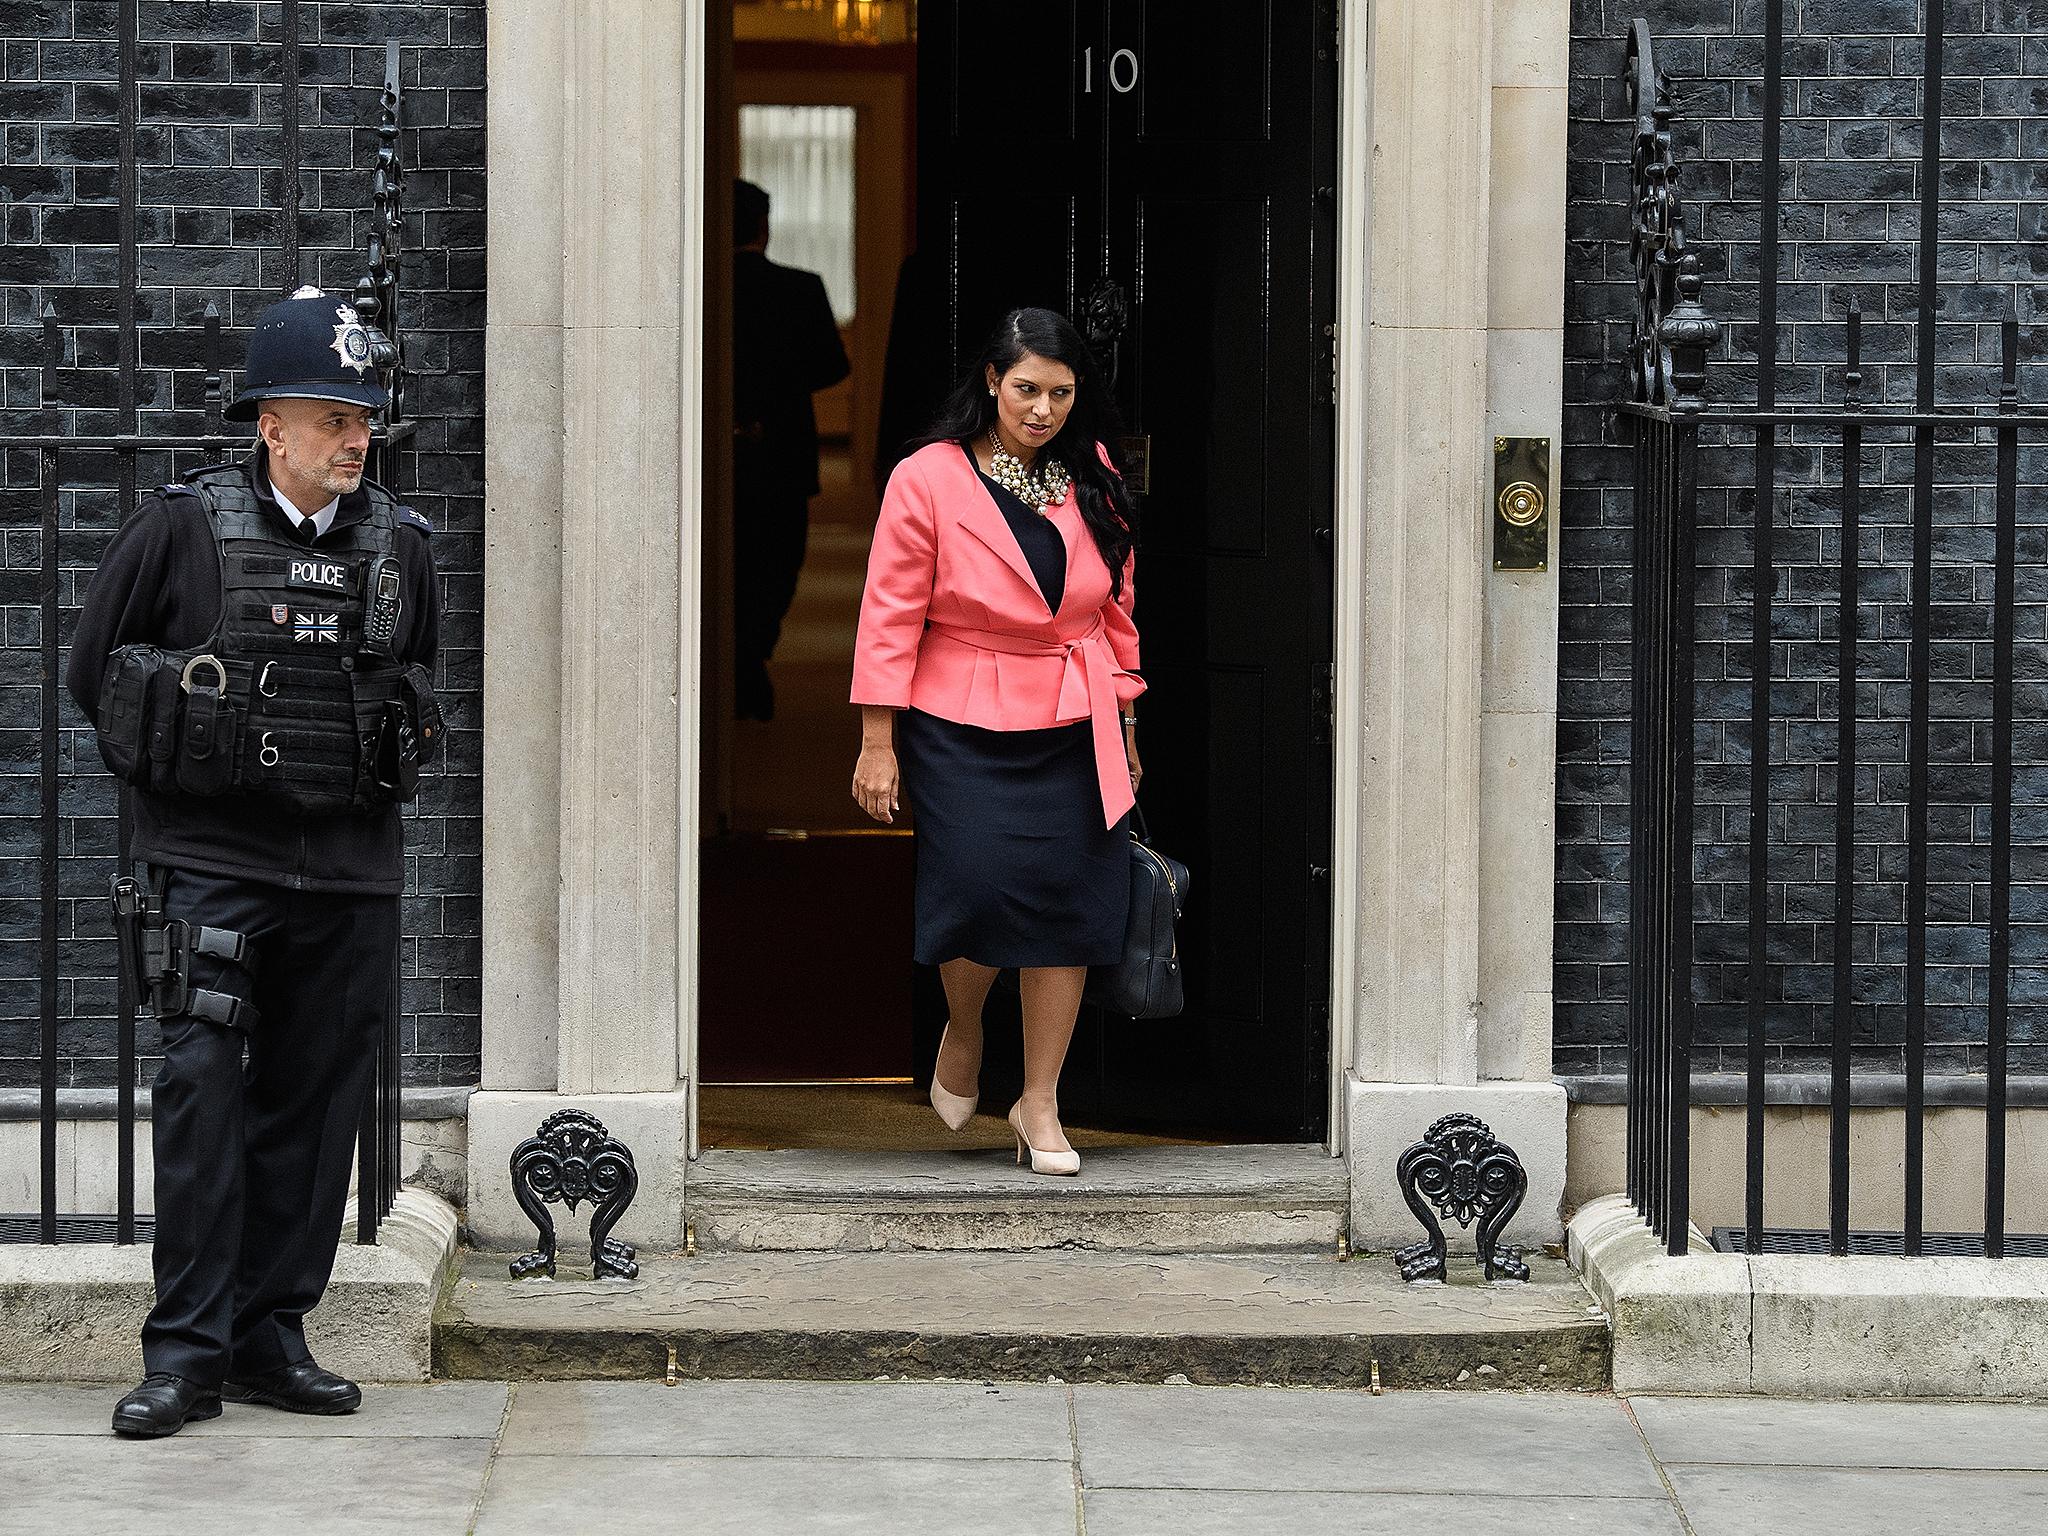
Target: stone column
column 1457, row 670
column 522, row 548
column 584, row 815
column 1525, row 398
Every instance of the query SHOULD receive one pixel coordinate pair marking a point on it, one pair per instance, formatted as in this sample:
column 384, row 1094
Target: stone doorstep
column 1172, row 1199
column 74, row 1313
column 1810, row 1326
column 1214, row 1319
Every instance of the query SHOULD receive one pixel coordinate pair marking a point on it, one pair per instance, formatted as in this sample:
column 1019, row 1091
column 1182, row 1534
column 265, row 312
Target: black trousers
column 255, row 1132
column 771, row 531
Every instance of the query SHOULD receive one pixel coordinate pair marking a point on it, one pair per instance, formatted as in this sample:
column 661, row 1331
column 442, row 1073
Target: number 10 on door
column 1123, row 71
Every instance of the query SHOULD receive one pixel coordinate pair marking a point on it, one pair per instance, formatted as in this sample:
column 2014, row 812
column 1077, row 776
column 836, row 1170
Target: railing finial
column 1673, row 331
column 1686, row 334
column 53, row 352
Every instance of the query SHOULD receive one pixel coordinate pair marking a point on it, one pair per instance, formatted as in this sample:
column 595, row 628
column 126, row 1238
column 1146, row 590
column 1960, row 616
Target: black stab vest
column 307, row 706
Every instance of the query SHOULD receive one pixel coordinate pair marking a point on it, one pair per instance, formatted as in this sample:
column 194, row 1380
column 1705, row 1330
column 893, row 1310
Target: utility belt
column 337, row 739
column 156, row 956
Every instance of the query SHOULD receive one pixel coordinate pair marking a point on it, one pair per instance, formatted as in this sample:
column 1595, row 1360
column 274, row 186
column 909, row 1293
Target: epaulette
column 177, row 489
column 412, row 519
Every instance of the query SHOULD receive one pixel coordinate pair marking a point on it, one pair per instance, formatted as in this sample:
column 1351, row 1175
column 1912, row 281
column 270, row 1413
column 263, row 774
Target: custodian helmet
column 308, row 347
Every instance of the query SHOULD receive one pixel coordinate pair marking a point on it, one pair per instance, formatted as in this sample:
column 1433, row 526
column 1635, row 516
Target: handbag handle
column 1139, row 830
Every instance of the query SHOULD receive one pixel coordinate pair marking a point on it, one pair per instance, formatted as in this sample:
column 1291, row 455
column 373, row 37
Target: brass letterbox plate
column 1136, row 453
column 1521, row 503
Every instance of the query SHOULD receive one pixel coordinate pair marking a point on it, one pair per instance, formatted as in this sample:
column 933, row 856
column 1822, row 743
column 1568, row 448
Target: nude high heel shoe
column 1042, row 1162
column 953, row 1109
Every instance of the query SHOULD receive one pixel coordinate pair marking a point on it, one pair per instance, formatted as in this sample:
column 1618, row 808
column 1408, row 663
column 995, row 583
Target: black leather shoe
column 163, row 1405
column 300, row 1388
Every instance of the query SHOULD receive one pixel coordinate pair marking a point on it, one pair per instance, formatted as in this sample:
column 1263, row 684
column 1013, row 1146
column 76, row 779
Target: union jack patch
column 280, row 613
column 316, row 628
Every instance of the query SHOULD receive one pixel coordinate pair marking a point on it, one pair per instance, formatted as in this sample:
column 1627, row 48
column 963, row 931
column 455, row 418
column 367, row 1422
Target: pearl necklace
column 1039, row 491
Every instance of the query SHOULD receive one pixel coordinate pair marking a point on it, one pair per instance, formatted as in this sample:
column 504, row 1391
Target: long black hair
column 1106, row 506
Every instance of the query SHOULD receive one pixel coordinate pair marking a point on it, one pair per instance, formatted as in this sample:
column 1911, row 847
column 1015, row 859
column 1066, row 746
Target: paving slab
column 1770, row 1501
column 459, row 1410
column 1283, row 1318
column 1776, row 1432
column 205, row 1485
column 1415, row 1442
column 916, row 1420
column 1209, row 1512
column 749, row 1496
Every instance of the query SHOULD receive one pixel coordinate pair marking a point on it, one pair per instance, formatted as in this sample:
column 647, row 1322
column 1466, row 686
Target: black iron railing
column 1666, row 413
column 73, row 466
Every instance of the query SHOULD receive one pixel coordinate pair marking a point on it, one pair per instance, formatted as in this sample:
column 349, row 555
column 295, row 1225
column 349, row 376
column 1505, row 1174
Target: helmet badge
column 351, row 342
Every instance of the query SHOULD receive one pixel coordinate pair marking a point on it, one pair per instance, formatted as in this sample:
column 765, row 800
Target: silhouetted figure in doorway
column 785, row 346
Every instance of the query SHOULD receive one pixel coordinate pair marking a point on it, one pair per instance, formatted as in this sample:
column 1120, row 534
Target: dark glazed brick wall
column 211, row 152
column 1849, row 218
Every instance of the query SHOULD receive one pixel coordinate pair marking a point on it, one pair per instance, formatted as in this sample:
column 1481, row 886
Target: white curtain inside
column 803, row 157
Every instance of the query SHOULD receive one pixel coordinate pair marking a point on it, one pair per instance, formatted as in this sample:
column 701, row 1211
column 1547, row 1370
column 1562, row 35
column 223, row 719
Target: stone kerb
column 74, row 1312
column 1810, row 1326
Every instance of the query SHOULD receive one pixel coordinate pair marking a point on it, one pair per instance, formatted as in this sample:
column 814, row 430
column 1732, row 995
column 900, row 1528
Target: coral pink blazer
column 952, row 621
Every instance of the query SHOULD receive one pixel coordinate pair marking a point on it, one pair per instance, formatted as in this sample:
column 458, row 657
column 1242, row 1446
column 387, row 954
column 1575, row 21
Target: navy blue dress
column 1014, row 865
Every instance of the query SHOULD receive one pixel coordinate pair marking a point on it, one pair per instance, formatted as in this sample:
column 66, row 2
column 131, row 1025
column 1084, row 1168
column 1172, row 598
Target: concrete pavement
column 902, row 1458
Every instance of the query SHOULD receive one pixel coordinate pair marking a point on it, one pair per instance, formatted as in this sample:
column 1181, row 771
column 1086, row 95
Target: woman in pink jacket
column 995, row 667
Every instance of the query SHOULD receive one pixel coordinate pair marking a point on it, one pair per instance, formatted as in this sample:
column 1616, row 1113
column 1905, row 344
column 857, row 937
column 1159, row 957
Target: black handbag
column 1146, row 982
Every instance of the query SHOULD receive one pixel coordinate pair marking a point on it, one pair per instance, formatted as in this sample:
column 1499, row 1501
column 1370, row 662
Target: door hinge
column 1318, row 1027
column 1330, row 336
column 1322, row 702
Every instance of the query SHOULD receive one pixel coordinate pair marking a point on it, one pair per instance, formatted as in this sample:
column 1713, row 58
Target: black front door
column 1180, row 156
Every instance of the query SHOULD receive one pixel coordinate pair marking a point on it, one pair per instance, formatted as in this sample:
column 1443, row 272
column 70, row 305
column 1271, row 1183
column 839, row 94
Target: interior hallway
column 793, row 772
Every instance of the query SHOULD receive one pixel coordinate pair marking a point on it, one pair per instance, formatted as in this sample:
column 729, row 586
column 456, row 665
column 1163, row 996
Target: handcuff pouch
column 206, row 745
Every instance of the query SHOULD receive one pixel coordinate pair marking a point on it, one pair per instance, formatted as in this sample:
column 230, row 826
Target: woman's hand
column 875, row 782
column 1131, row 757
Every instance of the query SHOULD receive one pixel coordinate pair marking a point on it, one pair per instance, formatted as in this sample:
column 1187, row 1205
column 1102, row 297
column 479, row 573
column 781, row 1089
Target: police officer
column 255, row 651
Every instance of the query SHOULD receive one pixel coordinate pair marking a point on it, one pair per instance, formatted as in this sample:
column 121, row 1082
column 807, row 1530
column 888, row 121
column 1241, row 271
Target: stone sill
column 100, row 1103
column 1874, row 1090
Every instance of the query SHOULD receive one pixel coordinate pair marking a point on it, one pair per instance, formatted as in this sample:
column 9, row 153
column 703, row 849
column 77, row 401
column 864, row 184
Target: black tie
column 309, row 530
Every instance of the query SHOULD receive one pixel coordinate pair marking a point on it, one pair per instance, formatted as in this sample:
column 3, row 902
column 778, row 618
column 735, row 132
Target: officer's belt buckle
column 220, row 673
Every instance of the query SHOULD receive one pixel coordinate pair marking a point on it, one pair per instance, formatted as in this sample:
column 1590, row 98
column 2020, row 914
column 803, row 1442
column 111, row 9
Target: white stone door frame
column 1451, row 202
column 1354, row 270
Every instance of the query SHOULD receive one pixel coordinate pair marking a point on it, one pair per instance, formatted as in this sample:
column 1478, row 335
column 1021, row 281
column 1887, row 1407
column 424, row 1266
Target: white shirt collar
column 321, row 520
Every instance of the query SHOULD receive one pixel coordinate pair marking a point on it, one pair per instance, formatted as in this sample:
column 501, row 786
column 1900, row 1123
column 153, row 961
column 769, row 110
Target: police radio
column 380, row 622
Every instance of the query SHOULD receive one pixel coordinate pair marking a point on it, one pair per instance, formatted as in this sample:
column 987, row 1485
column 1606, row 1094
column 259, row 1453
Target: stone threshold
column 1151, row 1198
column 1209, row 1319
column 1802, row 1325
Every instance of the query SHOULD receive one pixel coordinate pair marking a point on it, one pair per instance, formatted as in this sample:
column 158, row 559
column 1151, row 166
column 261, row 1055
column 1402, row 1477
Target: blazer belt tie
column 1087, row 692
